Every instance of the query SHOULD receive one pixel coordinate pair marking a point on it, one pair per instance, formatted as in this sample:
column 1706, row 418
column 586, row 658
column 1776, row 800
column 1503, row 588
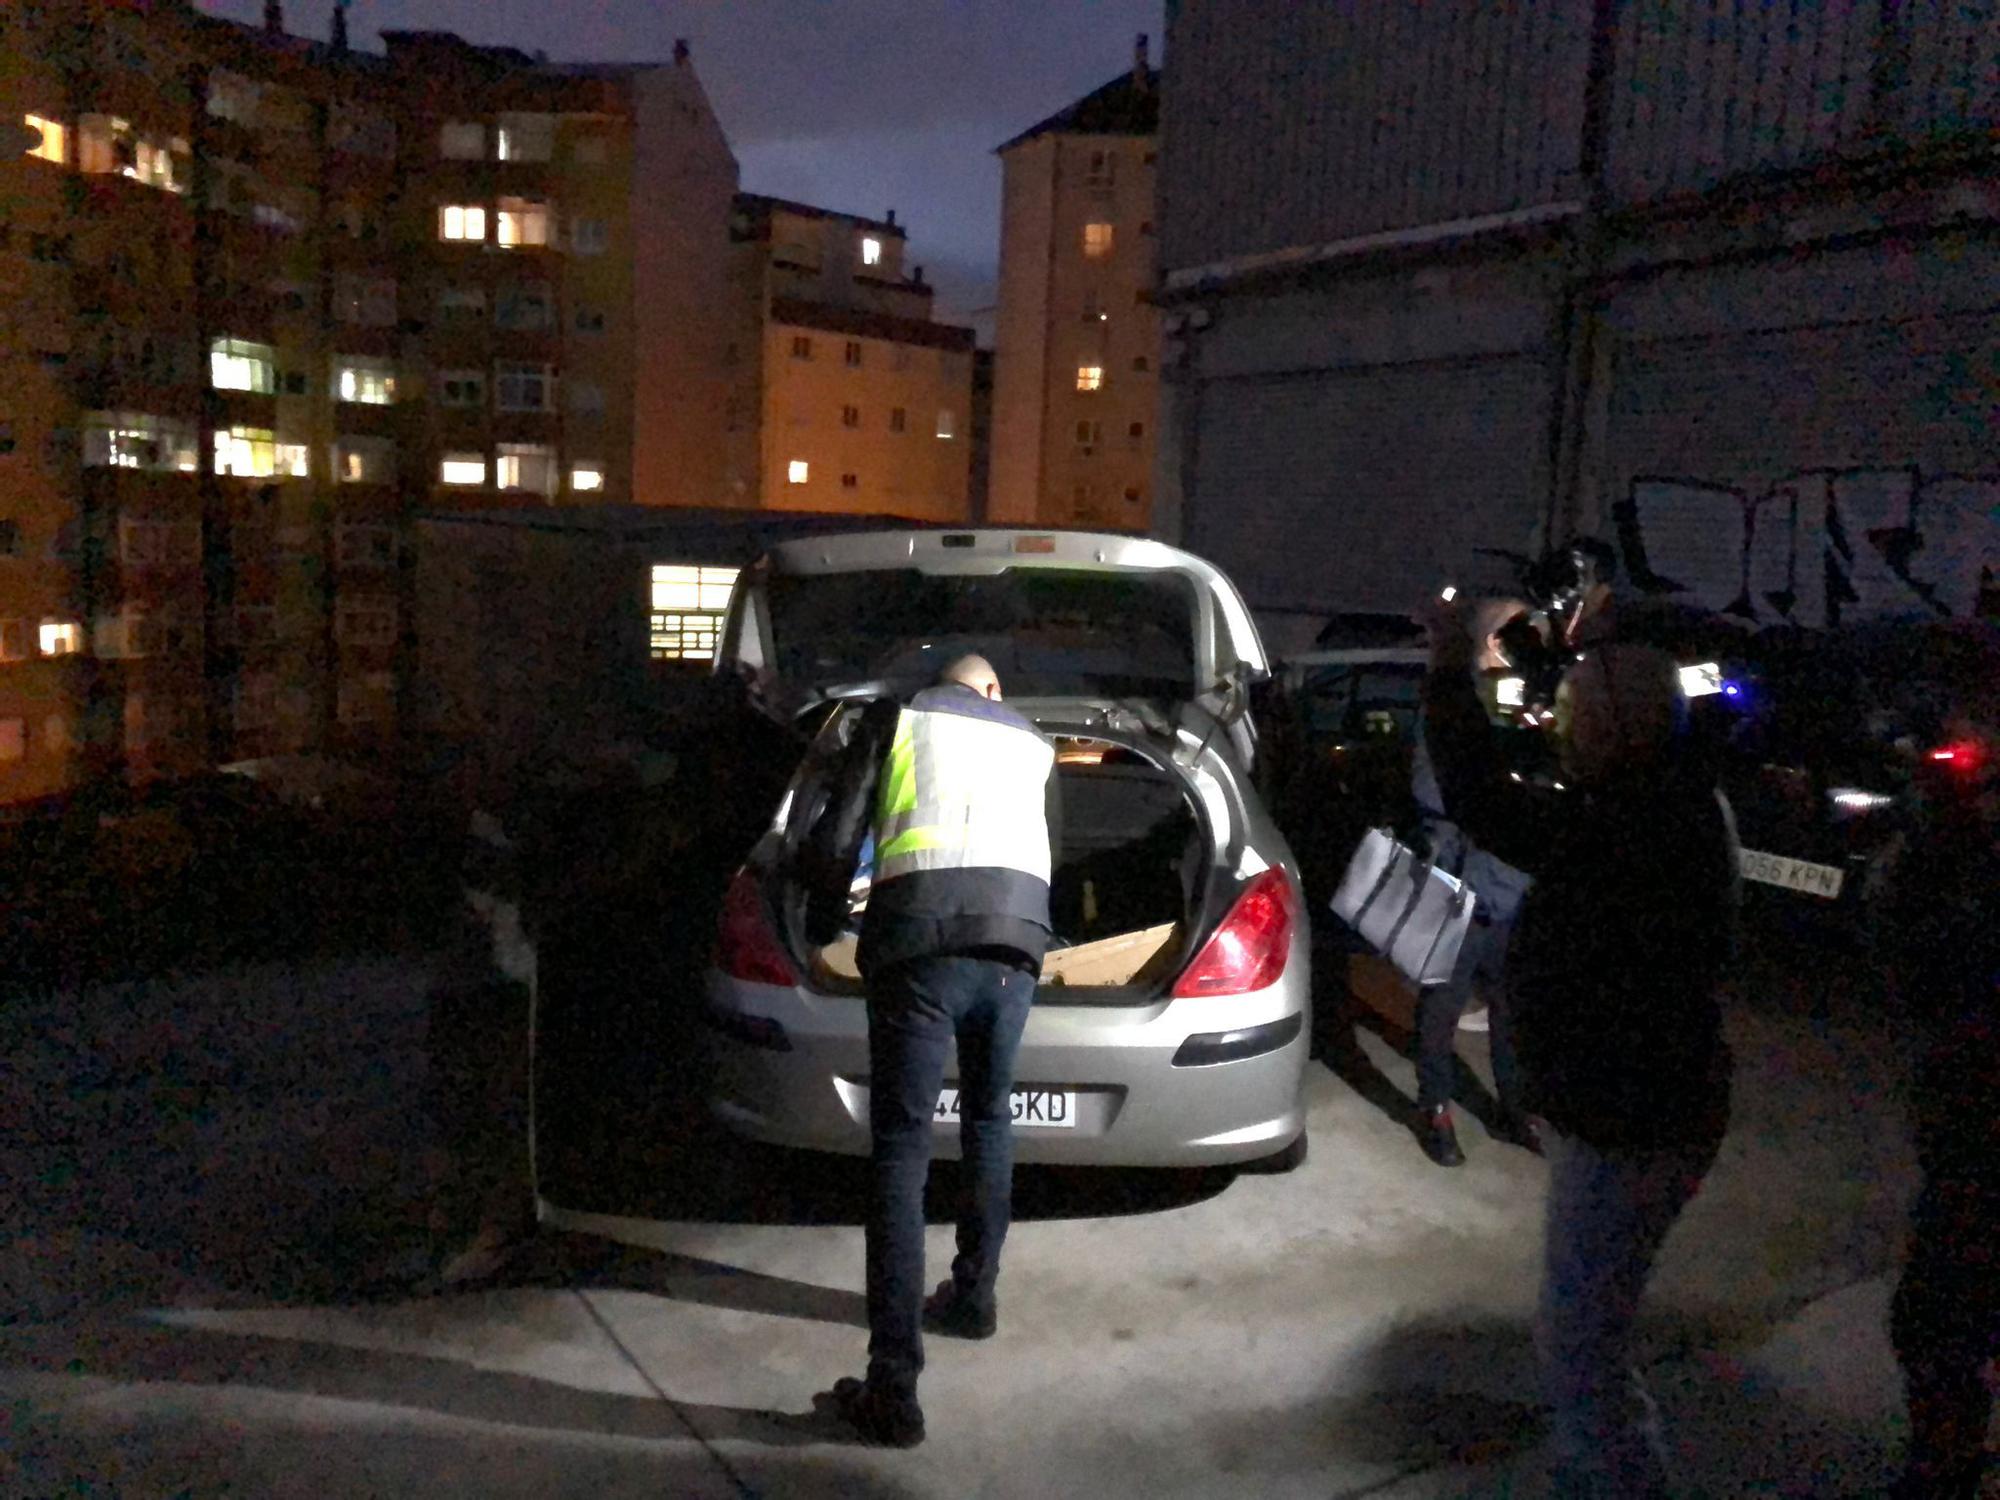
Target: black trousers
column 1481, row 963
column 1945, row 1324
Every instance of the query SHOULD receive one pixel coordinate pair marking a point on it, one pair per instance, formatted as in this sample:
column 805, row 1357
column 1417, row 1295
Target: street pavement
column 220, row 1192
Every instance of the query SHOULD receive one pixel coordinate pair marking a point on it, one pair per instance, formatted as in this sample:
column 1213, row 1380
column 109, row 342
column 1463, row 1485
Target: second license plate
column 1793, row 874
column 1035, row 1108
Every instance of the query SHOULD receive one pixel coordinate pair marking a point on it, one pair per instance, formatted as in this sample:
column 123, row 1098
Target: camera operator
column 1616, row 955
column 1497, row 889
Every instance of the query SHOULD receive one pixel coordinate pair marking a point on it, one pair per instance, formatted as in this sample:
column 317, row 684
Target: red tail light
column 1964, row 756
column 746, row 946
column 1249, row 949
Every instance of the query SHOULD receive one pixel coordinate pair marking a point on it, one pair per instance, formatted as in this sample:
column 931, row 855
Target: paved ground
column 219, row 1189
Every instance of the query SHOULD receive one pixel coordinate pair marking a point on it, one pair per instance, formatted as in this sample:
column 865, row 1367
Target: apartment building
column 846, row 396
column 267, row 299
column 1077, row 341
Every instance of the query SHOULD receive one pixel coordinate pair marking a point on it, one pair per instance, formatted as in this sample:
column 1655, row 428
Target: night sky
column 859, row 105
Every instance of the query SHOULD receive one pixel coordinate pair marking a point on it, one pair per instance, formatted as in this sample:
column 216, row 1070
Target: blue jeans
column 1608, row 1213
column 915, row 1010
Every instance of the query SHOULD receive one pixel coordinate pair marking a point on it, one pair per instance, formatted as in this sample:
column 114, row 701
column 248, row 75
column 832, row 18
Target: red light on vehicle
column 746, row 947
column 1960, row 757
column 1249, row 949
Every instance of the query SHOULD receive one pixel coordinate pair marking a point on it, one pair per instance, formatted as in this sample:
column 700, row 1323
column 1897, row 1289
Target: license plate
column 1030, row 1108
column 1793, row 874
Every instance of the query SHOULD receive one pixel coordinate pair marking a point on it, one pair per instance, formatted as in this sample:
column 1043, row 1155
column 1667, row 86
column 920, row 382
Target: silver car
column 1172, row 1024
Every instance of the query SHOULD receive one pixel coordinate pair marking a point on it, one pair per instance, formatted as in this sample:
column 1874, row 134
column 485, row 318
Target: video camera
column 1556, row 587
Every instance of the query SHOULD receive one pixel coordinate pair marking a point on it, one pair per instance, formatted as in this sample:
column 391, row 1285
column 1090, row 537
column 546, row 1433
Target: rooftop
column 1128, row 105
column 758, row 208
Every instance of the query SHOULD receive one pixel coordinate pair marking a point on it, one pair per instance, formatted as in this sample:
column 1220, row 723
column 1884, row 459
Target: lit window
column 365, row 381
column 871, row 251
column 137, row 440
column 294, row 460
column 526, row 466
column 246, row 452
column 1089, row 377
column 60, row 638
column 364, row 460
column 524, row 138
column 947, row 426
column 461, row 387
column 685, row 636
column 462, row 140
column 51, row 139
column 521, row 221
column 156, row 163
column 239, row 365
column 523, row 387
column 797, row 471
column 590, row 236
column 461, row 221
column 586, row 477
column 462, row 468
column 680, row 587
column 1096, row 240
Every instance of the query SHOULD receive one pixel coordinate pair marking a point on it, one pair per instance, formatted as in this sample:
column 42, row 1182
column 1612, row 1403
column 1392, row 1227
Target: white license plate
column 1793, row 874
column 1031, row 1108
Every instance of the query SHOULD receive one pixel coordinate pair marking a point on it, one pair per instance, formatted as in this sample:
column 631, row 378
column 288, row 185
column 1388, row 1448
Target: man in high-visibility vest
column 951, row 947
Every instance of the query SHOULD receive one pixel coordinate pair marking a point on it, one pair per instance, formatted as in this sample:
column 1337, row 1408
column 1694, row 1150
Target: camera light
column 1701, row 680
column 1511, row 692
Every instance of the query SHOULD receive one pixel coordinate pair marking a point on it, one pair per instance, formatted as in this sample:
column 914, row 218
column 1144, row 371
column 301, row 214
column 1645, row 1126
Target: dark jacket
column 1620, row 942
column 976, row 912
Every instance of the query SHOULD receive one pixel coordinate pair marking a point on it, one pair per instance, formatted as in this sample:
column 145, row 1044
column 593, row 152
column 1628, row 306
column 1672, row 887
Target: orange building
column 266, row 300
column 1077, row 339
column 846, row 396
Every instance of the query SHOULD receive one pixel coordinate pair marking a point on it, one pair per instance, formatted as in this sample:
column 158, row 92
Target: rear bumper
column 1134, row 1106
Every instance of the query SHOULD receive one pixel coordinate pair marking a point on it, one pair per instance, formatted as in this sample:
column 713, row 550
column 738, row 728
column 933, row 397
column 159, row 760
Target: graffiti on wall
column 1821, row 546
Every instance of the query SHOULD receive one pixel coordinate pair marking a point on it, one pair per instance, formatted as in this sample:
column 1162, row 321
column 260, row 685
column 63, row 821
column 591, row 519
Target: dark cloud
column 856, row 104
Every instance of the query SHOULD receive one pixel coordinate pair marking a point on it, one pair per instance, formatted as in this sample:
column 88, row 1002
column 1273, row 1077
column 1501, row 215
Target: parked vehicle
column 1172, row 1021
column 1845, row 745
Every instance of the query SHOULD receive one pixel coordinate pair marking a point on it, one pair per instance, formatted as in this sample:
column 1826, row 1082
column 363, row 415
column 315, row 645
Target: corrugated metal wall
column 1335, row 489
column 1291, row 123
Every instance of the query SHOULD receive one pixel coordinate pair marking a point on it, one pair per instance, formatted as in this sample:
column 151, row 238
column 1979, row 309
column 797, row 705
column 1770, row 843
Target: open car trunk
column 1130, row 860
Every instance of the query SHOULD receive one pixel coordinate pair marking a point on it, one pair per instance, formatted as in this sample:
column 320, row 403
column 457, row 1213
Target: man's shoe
column 950, row 1313
column 1439, row 1138
column 1516, row 1129
column 880, row 1417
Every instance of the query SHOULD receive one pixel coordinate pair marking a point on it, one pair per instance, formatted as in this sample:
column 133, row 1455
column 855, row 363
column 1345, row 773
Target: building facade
column 1712, row 282
column 846, row 396
column 1077, row 339
column 272, row 298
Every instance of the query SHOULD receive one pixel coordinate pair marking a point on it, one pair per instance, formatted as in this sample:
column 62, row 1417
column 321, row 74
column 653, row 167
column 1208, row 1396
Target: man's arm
column 831, row 849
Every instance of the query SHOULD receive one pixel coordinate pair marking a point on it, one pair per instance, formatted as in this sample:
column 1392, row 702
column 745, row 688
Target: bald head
column 974, row 672
column 1618, row 709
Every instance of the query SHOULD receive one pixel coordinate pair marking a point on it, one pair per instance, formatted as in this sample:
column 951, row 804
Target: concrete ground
column 219, row 1194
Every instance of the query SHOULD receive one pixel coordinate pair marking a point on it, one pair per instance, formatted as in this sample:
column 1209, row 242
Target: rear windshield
column 1049, row 632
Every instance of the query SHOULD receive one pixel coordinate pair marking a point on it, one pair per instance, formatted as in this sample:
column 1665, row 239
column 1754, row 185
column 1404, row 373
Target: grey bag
column 1405, row 907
